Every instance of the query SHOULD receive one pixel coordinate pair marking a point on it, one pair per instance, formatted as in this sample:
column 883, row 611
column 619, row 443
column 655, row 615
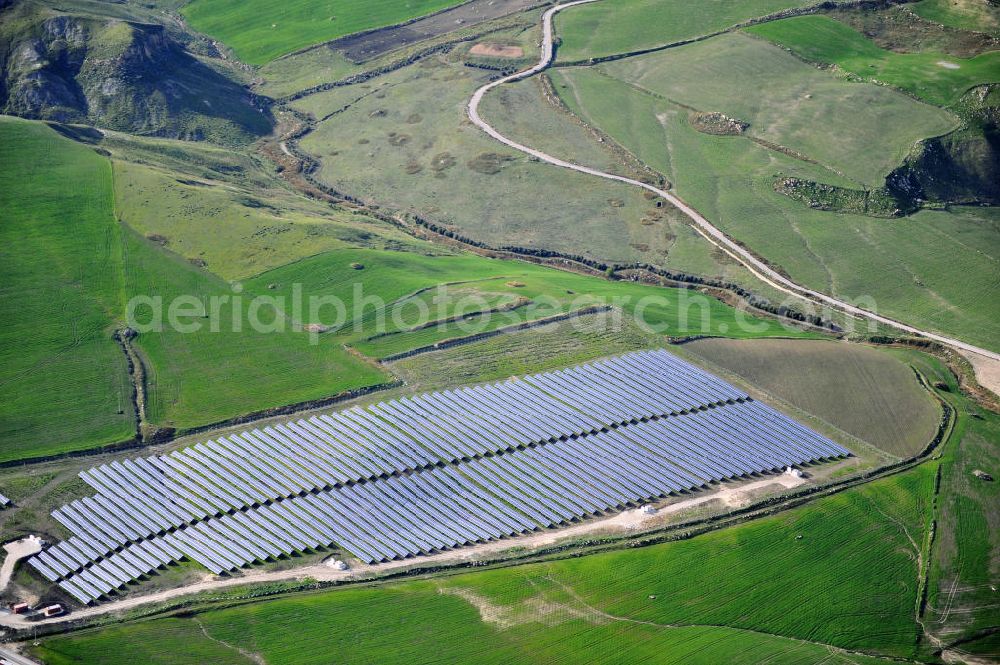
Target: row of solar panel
column 331, row 450
column 510, row 493
column 101, row 528
column 682, row 440
column 102, row 523
column 121, row 568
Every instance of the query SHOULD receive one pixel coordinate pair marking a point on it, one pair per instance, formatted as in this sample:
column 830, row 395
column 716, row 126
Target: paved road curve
column 760, row 269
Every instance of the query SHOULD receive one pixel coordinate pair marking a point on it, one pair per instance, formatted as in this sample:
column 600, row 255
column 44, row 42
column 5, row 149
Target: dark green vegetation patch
column 939, row 78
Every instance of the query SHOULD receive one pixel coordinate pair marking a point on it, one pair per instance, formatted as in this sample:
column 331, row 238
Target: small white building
column 647, row 509
column 793, row 472
column 52, row 610
column 337, row 564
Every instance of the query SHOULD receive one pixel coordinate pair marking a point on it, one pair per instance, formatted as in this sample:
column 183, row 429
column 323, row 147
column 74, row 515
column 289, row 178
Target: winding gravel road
column 760, row 269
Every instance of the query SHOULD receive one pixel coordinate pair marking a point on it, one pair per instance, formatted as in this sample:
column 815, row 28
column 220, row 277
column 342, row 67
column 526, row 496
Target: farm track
column 758, row 267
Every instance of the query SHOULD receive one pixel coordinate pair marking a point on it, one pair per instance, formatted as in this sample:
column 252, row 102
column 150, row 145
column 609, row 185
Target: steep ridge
column 121, row 75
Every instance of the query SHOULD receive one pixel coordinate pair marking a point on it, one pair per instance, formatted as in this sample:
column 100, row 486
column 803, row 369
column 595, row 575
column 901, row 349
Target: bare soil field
column 859, row 389
column 497, row 50
column 362, row 47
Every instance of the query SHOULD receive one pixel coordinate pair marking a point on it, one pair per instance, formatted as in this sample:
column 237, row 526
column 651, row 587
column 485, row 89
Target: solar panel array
column 422, row 474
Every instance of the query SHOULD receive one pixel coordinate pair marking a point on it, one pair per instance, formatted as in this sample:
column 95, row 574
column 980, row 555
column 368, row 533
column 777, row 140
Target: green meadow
column 190, row 228
column 964, row 14
column 260, row 31
column 408, row 148
column 933, row 268
column 935, row 77
column 591, row 31
column 859, row 131
column 200, row 376
column 370, row 294
column 63, row 380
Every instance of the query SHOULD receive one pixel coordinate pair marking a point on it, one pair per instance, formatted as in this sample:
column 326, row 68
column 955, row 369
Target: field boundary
column 423, row 229
column 518, row 303
column 388, row 68
column 166, row 435
column 767, row 18
column 370, row 31
column 137, row 378
column 517, row 327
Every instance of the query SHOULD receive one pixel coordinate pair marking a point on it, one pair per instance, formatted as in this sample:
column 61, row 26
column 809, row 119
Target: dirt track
column 731, row 495
column 990, row 360
column 17, row 550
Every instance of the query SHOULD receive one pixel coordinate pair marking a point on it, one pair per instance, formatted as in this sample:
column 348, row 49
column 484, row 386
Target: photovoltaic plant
column 421, row 474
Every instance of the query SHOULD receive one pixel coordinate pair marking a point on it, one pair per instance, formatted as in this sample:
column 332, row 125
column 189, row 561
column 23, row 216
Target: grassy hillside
column 965, row 14
column 409, row 148
column 861, row 390
column 936, row 268
column 837, row 574
column 963, row 166
column 961, row 604
column 593, row 31
column 936, row 77
column 124, row 75
column 389, row 276
column 522, row 112
column 237, row 227
column 860, row 131
column 63, row 380
column 204, row 376
column 259, row 31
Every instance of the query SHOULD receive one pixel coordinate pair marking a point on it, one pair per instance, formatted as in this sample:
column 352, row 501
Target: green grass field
column 936, row 77
column 410, row 149
column 388, row 276
column 744, row 594
column 174, row 199
column 935, row 268
column 63, row 380
column 237, row 231
column 196, row 378
column 593, row 31
column 861, row 390
column 285, row 76
column 259, row 31
column 663, row 236
column 964, row 14
column 961, row 600
column 861, row 131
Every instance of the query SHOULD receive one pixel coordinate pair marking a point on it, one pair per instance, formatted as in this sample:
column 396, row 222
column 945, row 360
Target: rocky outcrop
column 121, row 75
